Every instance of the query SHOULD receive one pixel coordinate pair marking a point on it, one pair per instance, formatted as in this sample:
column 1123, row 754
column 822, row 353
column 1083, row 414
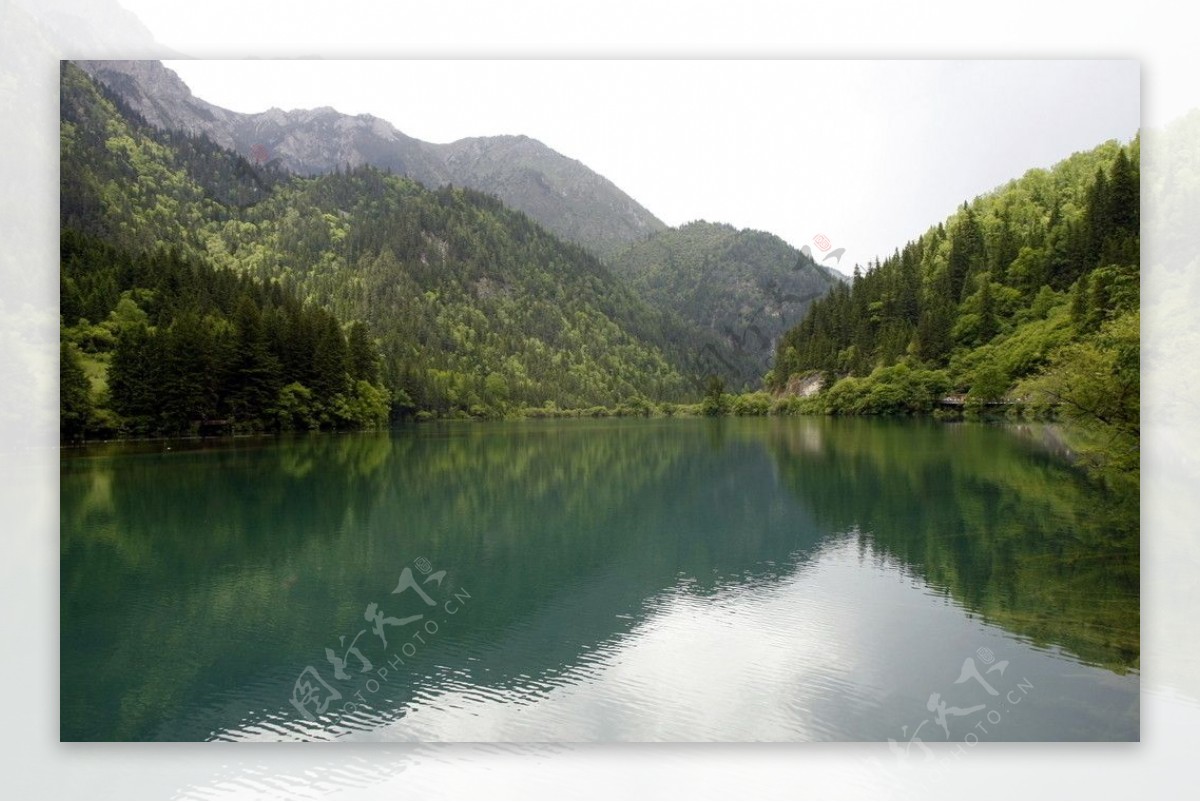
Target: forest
column 203, row 292
column 178, row 346
column 747, row 287
column 1025, row 299
column 467, row 308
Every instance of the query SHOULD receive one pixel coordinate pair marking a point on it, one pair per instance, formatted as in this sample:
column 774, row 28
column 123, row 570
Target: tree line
column 178, row 347
column 476, row 310
column 1028, row 295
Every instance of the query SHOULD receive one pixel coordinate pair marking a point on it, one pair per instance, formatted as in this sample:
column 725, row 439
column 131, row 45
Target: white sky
column 869, row 153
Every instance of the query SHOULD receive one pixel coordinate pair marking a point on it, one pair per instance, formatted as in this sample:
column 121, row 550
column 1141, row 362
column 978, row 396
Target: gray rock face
column 560, row 193
column 162, row 98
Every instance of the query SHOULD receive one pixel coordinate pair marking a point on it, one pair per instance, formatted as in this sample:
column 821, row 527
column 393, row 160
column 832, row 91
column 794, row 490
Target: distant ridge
column 745, row 287
column 560, row 193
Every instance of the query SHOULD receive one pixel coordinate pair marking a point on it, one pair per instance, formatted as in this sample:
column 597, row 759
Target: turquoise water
column 741, row 579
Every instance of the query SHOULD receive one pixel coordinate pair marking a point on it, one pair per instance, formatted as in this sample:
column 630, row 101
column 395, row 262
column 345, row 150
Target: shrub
column 751, row 404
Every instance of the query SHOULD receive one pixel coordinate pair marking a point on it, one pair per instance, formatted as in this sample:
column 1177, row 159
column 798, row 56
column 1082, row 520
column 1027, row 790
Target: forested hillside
column 745, row 287
column 177, row 346
column 475, row 304
column 471, row 307
column 1029, row 294
column 360, row 295
column 562, row 194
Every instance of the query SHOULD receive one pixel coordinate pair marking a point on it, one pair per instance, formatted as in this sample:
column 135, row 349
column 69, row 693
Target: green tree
column 967, row 255
column 295, row 408
column 933, row 332
column 990, row 383
column 74, row 399
column 194, row 364
column 1028, row 271
column 254, row 381
column 133, row 376
column 716, row 402
column 362, row 355
column 1081, row 297
column 989, row 324
column 1096, row 383
column 329, row 358
column 495, row 390
column 1098, row 218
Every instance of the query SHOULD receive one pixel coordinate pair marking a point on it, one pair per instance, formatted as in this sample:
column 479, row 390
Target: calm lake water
column 745, row 579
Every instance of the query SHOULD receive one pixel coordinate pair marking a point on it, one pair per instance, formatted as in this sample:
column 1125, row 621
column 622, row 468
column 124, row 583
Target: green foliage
column 362, row 354
column 132, row 378
column 989, row 383
column 894, row 390
column 458, row 305
column 1021, row 536
column 716, row 401
column 1021, row 353
column 190, row 348
column 740, row 290
column 294, row 409
column 476, row 306
column 751, row 404
column 1021, row 282
column 797, row 405
column 635, row 408
column 1095, row 382
column 366, row 405
column 997, row 263
column 74, row 399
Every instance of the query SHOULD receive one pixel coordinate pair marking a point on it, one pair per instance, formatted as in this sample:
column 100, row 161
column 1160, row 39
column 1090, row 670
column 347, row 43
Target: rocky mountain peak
column 561, row 193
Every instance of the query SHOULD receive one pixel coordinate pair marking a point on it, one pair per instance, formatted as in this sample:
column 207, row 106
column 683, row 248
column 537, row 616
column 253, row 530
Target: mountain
column 471, row 307
column 560, row 193
column 744, row 287
column 1028, row 295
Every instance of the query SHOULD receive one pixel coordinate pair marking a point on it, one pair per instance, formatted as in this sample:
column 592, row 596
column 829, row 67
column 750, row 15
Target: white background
column 33, row 35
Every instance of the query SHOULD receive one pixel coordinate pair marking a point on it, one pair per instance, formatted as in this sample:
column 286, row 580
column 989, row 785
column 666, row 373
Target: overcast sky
column 868, row 153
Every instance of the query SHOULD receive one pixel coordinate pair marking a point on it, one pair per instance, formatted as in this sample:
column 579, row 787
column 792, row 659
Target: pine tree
column 133, row 375
column 1080, row 297
column 966, row 254
column 1120, row 245
column 1004, row 251
column 329, row 358
column 363, row 357
column 193, row 371
column 254, row 380
column 1099, row 222
column 937, row 320
column 1124, row 213
column 74, row 399
column 1097, row 299
column 908, row 303
column 989, row 325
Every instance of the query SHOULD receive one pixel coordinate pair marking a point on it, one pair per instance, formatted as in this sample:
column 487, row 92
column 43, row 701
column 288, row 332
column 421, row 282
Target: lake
column 780, row 579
